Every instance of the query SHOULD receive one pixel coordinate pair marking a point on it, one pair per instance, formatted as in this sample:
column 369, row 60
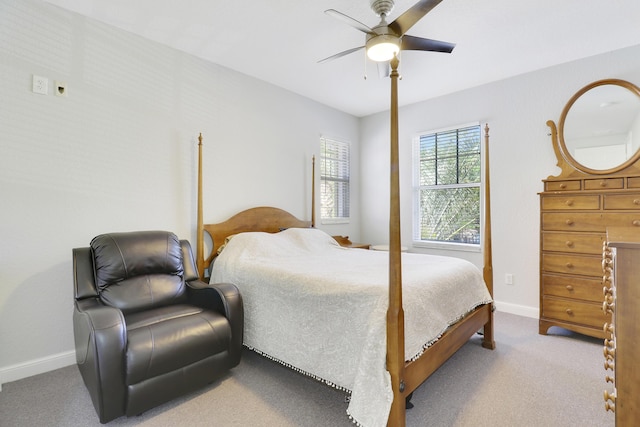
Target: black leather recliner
column 146, row 328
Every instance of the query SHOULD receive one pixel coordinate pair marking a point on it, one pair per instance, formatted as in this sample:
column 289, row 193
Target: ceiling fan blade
column 350, row 21
column 341, row 54
column 429, row 45
column 415, row 13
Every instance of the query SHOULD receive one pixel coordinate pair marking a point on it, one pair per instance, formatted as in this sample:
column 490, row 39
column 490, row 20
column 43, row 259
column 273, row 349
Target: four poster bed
column 337, row 314
column 323, row 313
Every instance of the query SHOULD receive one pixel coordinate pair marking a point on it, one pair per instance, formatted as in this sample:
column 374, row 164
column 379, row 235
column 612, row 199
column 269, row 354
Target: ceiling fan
column 384, row 41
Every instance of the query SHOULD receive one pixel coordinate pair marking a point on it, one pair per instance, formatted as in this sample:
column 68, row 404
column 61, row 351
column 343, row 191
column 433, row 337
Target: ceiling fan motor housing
column 382, row 7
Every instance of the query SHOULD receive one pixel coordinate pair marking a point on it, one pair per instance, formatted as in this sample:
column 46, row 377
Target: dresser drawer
column 581, row 288
column 631, row 220
column 569, row 221
column 571, row 202
column 633, row 182
column 561, row 185
column 584, row 265
column 622, row 201
column 604, row 184
column 568, row 310
column 584, row 243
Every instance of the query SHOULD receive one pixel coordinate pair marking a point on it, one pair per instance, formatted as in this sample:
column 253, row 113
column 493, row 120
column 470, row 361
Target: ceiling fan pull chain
column 365, row 65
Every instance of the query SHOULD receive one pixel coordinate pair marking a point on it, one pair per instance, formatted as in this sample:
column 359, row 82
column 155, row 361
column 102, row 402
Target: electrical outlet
column 508, row 279
column 40, row 85
column 60, row 88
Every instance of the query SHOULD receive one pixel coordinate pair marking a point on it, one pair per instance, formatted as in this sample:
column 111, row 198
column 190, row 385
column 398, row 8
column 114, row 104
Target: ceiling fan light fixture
column 383, row 47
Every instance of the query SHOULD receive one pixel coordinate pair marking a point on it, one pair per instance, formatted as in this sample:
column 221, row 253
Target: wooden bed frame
column 405, row 376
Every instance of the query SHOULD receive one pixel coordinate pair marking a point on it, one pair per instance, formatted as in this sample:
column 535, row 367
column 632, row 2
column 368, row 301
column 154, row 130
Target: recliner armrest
column 224, row 298
column 83, row 279
column 100, row 338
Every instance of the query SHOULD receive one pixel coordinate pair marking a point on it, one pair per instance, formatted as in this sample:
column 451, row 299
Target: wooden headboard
column 264, row 218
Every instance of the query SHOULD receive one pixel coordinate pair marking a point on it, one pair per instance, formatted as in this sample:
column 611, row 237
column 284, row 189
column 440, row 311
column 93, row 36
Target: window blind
column 334, row 179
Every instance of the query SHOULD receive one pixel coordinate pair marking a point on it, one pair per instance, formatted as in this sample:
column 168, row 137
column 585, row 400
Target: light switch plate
column 40, row 85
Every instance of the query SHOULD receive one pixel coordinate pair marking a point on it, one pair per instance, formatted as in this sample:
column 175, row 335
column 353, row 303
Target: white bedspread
column 321, row 308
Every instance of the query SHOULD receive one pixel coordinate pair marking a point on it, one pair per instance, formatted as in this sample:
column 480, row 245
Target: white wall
column 521, row 153
column 119, row 153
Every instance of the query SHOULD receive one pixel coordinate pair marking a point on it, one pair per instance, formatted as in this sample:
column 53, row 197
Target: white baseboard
column 36, row 366
column 520, row 310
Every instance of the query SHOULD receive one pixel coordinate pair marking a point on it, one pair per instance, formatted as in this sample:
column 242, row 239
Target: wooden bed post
column 200, row 227
column 487, row 270
column 395, row 313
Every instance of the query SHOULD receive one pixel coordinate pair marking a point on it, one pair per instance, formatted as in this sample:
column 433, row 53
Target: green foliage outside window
column 449, row 176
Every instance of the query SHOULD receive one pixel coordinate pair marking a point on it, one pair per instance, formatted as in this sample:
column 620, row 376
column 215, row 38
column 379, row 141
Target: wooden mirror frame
column 567, row 163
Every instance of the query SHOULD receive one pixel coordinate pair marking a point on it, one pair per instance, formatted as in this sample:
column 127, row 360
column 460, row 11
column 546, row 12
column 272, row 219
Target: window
column 334, row 181
column 447, row 176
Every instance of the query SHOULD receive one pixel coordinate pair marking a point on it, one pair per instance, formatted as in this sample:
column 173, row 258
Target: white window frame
column 342, row 174
column 433, row 244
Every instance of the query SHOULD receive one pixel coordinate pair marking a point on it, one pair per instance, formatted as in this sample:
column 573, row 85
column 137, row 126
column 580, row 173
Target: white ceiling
column 280, row 41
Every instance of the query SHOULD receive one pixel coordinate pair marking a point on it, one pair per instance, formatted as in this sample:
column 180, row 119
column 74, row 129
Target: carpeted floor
column 529, row 380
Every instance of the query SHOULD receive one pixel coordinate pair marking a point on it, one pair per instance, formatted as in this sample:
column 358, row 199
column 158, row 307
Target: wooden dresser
column 621, row 261
column 580, row 203
column 575, row 215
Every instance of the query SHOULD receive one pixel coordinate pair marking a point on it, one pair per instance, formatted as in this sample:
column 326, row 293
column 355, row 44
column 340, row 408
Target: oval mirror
column 599, row 129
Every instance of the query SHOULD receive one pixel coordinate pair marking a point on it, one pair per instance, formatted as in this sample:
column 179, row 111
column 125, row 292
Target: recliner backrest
column 138, row 270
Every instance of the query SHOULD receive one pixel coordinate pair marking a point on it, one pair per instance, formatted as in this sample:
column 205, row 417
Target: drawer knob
column 610, row 401
column 636, row 222
column 636, row 201
column 569, row 202
column 608, row 327
column 569, row 265
column 603, row 183
column 609, row 353
column 608, row 308
column 609, row 396
column 609, row 365
column 570, row 222
column 569, row 311
column 609, row 379
column 608, row 406
column 569, row 243
column 569, row 288
column 563, row 185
